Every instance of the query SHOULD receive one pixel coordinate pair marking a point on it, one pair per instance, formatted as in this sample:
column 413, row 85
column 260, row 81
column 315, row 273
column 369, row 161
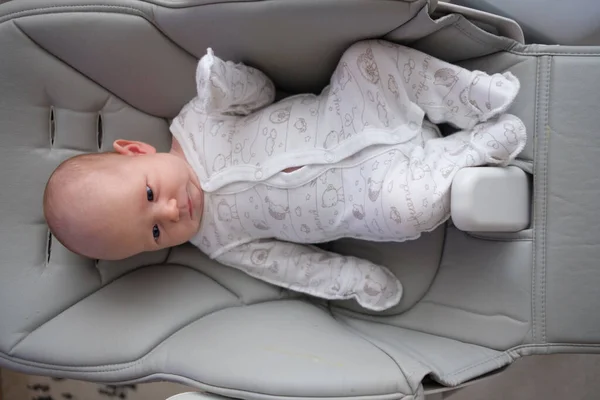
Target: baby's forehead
column 98, row 193
column 92, row 180
column 111, row 204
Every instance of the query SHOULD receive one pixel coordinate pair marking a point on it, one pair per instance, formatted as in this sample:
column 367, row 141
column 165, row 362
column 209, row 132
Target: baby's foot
column 499, row 140
column 375, row 287
column 490, row 95
column 478, row 99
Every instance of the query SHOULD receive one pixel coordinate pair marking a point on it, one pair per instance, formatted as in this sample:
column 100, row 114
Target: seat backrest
column 76, row 76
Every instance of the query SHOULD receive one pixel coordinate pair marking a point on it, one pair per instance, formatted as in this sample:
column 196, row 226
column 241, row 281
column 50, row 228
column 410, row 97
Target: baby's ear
column 132, row 148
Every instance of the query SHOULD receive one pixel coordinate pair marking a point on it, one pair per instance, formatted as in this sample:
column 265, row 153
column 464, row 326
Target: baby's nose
column 171, row 211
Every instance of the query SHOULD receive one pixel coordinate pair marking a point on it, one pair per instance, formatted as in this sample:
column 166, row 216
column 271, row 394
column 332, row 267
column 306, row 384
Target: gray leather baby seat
column 74, row 76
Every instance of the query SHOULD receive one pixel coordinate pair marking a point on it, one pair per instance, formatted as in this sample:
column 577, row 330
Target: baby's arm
column 228, row 88
column 316, row 272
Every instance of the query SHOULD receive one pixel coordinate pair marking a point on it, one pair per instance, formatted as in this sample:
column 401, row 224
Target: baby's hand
column 229, row 88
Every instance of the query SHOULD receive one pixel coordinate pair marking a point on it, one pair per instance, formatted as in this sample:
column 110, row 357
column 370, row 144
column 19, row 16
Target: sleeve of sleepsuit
column 311, row 270
column 225, row 87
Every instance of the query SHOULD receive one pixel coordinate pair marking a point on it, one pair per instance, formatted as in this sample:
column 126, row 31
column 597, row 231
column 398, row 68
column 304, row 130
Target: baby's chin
column 197, row 198
column 193, row 177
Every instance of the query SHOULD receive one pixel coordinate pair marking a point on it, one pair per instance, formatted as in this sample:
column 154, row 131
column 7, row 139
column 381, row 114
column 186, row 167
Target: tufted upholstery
column 76, row 76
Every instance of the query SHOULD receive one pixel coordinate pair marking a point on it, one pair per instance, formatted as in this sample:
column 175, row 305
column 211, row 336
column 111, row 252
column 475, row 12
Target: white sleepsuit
column 364, row 162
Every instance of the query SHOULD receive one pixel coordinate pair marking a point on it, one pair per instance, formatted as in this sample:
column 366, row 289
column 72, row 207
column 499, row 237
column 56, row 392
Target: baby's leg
column 495, row 142
column 425, row 196
column 447, row 92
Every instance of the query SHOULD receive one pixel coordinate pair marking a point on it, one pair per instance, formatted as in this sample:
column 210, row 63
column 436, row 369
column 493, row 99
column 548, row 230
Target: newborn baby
column 255, row 185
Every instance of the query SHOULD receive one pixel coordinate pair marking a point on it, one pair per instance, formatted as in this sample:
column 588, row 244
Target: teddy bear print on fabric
column 408, row 69
column 395, row 215
column 445, row 77
column 393, row 86
column 358, row 211
column 270, row 142
column 226, row 212
column 332, row 196
column 215, row 128
column 260, row 264
column 277, row 211
column 281, row 115
column 259, row 257
column 368, row 67
column 300, row 125
column 260, row 224
column 331, row 140
column 220, row 162
column 510, row 133
column 374, row 188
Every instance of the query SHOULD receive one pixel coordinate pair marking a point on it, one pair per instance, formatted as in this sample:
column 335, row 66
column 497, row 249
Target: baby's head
column 114, row 205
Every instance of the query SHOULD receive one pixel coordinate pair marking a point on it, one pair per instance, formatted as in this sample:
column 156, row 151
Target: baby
column 255, row 184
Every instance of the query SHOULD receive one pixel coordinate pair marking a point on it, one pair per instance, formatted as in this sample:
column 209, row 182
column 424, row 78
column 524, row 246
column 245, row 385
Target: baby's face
column 155, row 203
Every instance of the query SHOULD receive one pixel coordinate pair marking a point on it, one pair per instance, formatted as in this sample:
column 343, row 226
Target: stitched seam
column 210, row 278
column 551, row 345
column 373, row 319
column 545, row 142
column 107, row 283
column 12, row 15
column 437, row 271
column 480, row 363
column 82, row 7
column 351, row 314
column 490, row 239
column 178, row 6
column 551, row 54
column 545, row 200
column 123, row 366
column 81, row 73
column 486, row 41
column 410, row 7
column 365, row 338
column 535, row 214
column 499, row 239
column 230, row 392
column 132, row 11
column 473, row 312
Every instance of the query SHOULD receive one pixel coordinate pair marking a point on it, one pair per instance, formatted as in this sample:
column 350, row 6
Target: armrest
column 491, row 199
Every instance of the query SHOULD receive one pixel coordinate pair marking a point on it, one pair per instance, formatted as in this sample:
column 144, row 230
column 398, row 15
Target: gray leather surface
column 481, row 294
column 573, row 22
column 472, row 302
column 569, row 247
column 419, row 354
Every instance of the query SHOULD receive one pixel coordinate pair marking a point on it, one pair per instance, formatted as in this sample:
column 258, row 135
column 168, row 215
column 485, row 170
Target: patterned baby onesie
column 364, row 162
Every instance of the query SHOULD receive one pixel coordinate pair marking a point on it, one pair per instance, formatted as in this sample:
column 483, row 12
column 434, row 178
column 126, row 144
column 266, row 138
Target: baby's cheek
column 188, row 231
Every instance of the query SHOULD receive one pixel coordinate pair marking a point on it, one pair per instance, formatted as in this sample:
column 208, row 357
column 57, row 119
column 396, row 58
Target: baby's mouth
column 190, row 208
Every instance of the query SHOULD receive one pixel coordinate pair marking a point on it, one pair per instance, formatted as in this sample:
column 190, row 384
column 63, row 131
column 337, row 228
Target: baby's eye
column 155, row 232
column 149, row 194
